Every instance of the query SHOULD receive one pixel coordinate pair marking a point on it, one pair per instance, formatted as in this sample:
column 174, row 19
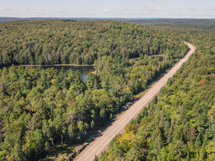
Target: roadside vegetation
column 179, row 123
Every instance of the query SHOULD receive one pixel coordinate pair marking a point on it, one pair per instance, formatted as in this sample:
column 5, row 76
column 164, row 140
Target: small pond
column 85, row 70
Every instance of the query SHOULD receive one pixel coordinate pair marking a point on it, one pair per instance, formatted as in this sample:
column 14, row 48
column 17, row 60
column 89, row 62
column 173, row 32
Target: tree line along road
column 101, row 143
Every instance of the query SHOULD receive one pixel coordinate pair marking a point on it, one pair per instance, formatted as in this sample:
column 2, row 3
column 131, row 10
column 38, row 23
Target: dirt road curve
column 102, row 142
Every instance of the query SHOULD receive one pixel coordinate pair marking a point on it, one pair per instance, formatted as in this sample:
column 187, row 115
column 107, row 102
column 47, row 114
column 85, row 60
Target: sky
column 108, row 8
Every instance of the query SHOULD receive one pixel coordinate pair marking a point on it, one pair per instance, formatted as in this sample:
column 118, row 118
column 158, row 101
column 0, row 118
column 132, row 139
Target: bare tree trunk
column 61, row 136
column 52, row 142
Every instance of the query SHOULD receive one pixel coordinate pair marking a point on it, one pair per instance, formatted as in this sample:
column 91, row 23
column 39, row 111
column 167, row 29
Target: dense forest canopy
column 178, row 124
column 39, row 107
column 68, row 42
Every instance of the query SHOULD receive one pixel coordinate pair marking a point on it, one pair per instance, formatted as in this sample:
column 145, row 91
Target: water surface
column 85, row 70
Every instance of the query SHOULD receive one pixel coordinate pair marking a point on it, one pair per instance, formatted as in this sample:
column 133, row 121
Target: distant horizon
column 106, row 18
column 109, row 9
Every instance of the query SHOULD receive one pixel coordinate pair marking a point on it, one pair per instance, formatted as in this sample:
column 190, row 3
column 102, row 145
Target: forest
column 70, row 42
column 179, row 123
column 38, row 107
